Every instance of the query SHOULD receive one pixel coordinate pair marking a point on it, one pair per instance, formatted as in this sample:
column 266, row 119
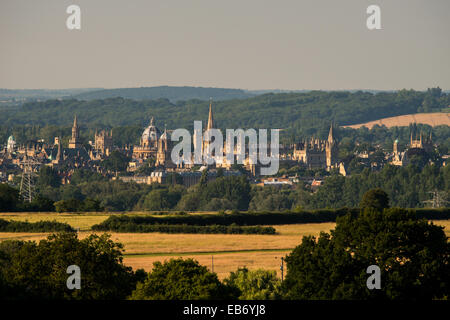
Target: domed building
column 148, row 145
column 150, row 136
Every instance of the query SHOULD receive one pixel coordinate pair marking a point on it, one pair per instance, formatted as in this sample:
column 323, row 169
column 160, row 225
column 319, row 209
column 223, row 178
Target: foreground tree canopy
column 180, row 279
column 255, row 285
column 39, row 271
column 413, row 255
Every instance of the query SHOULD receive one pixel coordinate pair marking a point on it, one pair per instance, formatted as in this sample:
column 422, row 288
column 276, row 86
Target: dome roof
column 11, row 138
column 151, row 133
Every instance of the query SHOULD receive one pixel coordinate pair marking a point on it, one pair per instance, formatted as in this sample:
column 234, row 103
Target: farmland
column 226, row 252
column 432, row 119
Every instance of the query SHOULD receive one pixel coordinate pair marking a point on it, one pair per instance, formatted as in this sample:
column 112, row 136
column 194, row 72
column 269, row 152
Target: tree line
column 408, row 187
column 167, row 228
column 40, row 226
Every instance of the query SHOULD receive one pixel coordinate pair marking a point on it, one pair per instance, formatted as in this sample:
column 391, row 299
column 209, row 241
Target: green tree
column 162, row 199
column 375, row 198
column 179, row 279
column 255, row 285
column 71, row 205
column 189, row 201
column 40, row 270
column 48, row 177
column 330, row 193
column 116, row 162
column 413, row 255
column 203, row 179
column 81, row 175
column 39, row 203
column 9, row 198
column 235, row 189
column 91, row 205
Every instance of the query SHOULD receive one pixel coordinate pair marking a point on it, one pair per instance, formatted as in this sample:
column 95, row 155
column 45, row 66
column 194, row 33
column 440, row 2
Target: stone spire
column 210, row 116
column 330, row 135
column 74, row 142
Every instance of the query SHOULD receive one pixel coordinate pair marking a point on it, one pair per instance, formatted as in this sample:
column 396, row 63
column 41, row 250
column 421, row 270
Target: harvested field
column 432, row 119
column 229, row 251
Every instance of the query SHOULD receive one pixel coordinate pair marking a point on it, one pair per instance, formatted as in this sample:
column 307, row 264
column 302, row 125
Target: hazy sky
column 248, row 44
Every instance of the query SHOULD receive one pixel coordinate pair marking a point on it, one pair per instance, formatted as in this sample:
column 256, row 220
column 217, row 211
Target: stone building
column 163, row 154
column 103, row 142
column 315, row 153
column 418, row 146
column 148, row 146
column 74, row 142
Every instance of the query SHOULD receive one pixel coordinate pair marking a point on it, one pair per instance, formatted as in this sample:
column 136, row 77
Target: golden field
column 432, row 119
column 227, row 252
column 82, row 221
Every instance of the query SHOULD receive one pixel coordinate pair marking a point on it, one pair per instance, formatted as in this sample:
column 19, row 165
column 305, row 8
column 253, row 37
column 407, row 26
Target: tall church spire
column 210, row 116
column 74, row 142
column 330, row 134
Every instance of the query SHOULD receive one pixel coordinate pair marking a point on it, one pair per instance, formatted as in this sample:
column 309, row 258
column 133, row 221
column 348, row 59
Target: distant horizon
column 214, row 87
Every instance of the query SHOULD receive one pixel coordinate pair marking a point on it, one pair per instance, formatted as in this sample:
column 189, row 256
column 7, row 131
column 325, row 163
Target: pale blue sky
column 248, row 44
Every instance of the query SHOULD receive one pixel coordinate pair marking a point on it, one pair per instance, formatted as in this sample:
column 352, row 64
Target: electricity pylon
column 439, row 199
column 27, row 183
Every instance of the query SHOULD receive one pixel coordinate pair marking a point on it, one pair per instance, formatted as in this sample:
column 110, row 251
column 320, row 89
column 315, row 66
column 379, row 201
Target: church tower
column 331, row 149
column 60, row 155
column 74, row 142
column 163, row 155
